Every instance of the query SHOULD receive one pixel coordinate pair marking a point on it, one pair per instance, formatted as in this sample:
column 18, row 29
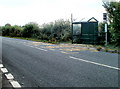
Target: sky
column 21, row 12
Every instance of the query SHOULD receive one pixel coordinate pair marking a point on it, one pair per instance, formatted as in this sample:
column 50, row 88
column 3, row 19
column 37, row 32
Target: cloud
column 15, row 3
column 109, row 0
column 44, row 11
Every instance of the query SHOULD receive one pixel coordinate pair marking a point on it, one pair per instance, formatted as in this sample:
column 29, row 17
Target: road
column 37, row 64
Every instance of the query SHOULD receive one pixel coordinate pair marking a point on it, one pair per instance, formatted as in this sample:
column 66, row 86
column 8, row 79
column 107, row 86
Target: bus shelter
column 85, row 32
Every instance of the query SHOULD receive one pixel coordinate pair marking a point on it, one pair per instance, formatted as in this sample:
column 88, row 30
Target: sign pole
column 105, row 34
column 105, row 19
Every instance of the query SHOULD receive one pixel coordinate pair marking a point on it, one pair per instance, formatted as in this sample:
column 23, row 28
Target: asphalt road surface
column 37, row 64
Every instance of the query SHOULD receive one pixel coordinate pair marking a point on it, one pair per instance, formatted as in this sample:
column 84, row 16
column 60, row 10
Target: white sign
column 105, row 27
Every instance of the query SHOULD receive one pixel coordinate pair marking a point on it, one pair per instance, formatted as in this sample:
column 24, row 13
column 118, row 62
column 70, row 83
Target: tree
column 16, row 31
column 113, row 10
column 101, row 29
column 6, row 30
column 0, row 31
column 56, row 31
column 13, row 31
column 31, row 30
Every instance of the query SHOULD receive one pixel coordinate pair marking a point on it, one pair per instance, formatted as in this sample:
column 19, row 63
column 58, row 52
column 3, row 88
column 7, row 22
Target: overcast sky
column 21, row 12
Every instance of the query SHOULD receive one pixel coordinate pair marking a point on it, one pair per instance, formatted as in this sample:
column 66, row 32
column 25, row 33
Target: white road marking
column 64, row 52
column 40, row 49
column 15, row 84
column 52, row 49
column 95, row 63
column 31, row 46
column 28, row 45
column 9, row 76
column 1, row 65
column 37, row 48
column 4, row 70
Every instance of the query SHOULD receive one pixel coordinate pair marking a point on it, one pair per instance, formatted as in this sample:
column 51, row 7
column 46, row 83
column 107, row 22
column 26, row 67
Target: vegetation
column 101, row 30
column 113, row 10
column 13, row 31
column 53, row 32
column 59, row 31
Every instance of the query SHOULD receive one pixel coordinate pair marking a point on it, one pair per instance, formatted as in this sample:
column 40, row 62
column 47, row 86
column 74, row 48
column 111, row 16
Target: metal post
column 105, row 20
column 72, row 27
column 105, row 34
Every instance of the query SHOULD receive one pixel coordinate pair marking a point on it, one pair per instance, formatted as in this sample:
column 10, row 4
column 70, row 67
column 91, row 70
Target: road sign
column 105, row 16
column 105, row 27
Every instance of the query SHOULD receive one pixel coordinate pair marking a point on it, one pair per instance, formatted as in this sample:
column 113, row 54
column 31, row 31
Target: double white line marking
column 10, row 77
column 95, row 63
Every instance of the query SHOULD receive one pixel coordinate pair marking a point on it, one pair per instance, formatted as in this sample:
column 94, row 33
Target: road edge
column 9, row 77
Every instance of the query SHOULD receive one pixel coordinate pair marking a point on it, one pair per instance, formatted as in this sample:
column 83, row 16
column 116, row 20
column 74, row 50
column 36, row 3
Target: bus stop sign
column 105, row 16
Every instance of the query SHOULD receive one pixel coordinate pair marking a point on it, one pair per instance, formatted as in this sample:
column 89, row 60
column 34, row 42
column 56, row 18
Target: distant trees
column 30, row 30
column 13, row 31
column 59, row 30
column 54, row 31
column 113, row 10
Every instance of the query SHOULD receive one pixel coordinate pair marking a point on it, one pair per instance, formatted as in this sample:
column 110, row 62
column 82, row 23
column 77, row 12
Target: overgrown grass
column 109, row 48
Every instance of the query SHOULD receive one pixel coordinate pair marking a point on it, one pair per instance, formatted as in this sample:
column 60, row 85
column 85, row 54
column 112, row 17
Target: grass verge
column 109, row 48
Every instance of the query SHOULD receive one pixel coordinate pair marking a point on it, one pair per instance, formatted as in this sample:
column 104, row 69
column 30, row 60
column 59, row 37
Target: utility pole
column 71, row 17
column 72, row 27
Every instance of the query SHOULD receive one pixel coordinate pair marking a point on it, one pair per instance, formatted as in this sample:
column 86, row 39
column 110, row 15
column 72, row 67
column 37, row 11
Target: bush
column 59, row 30
column 53, row 32
column 13, row 31
column 99, row 48
column 30, row 30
